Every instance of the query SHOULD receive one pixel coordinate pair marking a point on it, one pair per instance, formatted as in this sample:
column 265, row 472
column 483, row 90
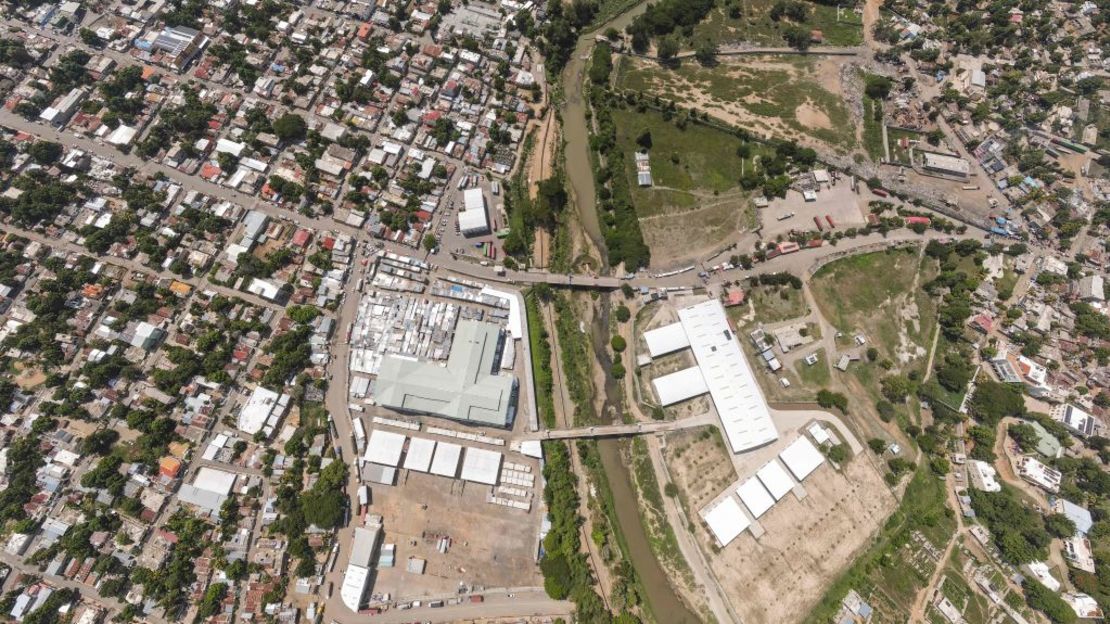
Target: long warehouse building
column 724, row 372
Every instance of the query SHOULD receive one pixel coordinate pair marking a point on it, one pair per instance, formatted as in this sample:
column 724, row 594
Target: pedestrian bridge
column 619, row 431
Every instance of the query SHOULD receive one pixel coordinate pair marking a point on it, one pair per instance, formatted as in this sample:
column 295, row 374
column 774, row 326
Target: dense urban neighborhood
column 671, row 311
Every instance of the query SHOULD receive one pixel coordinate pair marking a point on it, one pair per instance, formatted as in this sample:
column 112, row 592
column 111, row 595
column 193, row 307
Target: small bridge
column 619, row 431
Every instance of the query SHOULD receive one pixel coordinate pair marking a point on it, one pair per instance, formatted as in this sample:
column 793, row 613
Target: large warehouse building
column 360, row 564
column 469, row 388
column 473, row 218
column 722, row 370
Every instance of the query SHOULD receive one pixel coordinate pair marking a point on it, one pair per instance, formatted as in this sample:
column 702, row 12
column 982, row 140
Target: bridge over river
column 617, row 431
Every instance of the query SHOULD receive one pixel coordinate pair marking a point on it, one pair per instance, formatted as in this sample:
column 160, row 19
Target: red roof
column 328, row 243
column 916, row 220
column 209, row 171
column 301, row 238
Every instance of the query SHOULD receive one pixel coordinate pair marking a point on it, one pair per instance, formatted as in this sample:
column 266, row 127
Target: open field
column 491, row 545
column 769, row 304
column 696, row 204
column 785, row 96
column 879, row 295
column 901, row 558
column 807, row 543
column 756, row 26
column 699, row 464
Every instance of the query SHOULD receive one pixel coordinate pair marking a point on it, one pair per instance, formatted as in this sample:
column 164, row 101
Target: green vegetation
column 873, row 128
column 576, row 359
column 565, row 568
column 652, row 513
column 623, row 238
column 540, row 349
column 753, row 21
column 1048, row 602
column 1018, row 531
column 664, row 18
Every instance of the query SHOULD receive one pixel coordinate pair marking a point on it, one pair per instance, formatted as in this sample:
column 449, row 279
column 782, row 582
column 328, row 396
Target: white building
column 983, row 476
column 360, row 564
column 262, row 412
column 473, row 218
column 1038, row 474
column 1075, row 419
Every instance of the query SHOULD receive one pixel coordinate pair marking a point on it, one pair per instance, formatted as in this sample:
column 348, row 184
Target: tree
column 706, row 52
column 829, row 399
column 45, row 152
column 290, row 127
column 667, row 48
column 797, row 37
column 430, row 242
column 1043, row 599
column 644, row 141
column 622, row 314
column 618, row 344
column 877, row 445
column 1059, row 525
column 837, row 453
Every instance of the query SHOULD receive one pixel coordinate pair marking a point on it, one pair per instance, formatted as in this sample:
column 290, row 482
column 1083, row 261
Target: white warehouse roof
column 755, row 497
column 740, row 405
column 801, row 457
column 481, row 466
column 446, row 460
column 212, row 480
column 666, row 339
column 773, row 477
column 419, row 457
column 384, row 447
column 726, row 520
column 679, row 386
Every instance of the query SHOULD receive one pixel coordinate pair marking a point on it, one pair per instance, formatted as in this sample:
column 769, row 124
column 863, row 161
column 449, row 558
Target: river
column 664, row 603
column 579, row 166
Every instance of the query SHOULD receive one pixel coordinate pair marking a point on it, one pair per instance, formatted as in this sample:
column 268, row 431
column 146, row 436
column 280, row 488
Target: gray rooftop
column 467, row 389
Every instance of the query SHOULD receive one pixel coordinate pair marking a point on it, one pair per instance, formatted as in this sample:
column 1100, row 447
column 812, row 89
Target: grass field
column 695, row 203
column 865, row 293
column 814, row 376
column 777, row 303
column 785, row 96
column 872, row 130
column 893, row 135
column 755, row 25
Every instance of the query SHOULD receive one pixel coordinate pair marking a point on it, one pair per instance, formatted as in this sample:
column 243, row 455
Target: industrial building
column 468, row 389
column 181, row 45
column 208, row 491
column 947, row 165
column 722, row 370
column 473, row 218
column 360, row 565
column 1075, row 419
column 262, row 412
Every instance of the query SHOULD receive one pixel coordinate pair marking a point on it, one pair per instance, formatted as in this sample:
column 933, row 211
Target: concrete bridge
column 618, row 431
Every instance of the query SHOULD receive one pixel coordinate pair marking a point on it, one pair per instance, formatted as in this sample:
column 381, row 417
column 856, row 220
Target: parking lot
column 846, row 207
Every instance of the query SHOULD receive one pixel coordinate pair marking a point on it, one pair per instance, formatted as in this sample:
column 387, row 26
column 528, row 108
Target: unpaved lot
column 808, row 543
column 847, row 209
column 491, row 545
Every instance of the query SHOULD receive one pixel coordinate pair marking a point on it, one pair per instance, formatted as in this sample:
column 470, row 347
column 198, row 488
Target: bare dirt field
column 491, row 545
column 699, row 465
column 806, row 545
column 790, row 97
